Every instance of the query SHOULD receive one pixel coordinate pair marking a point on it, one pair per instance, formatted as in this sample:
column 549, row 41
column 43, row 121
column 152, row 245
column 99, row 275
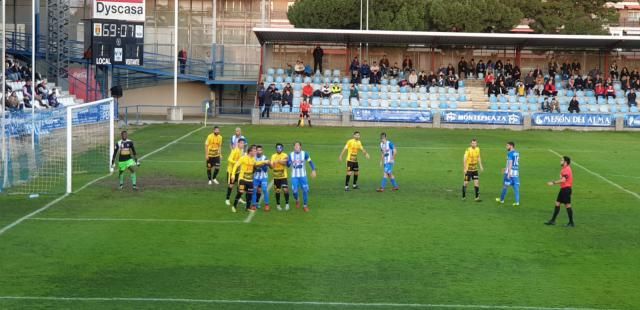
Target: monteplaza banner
column 481, row 117
column 632, row 121
column 391, row 115
column 131, row 10
column 569, row 119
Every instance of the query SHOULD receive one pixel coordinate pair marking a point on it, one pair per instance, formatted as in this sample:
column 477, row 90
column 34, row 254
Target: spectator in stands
column 261, row 94
column 452, row 81
column 12, row 103
column 308, row 71
column 600, row 90
column 598, row 79
column 554, row 105
column 565, row 69
column 463, row 66
column 355, row 65
column 516, row 73
column 336, row 92
column 480, row 68
column 289, row 70
column 631, row 98
column 441, row 81
column 431, row 78
column 182, row 59
column 355, row 77
column 317, row 93
column 613, row 71
column 394, row 71
column 423, row 79
column 13, row 73
column 287, row 99
column 550, row 89
column 610, row 92
column 472, row 68
column 539, row 88
column 353, row 93
column 537, row 71
column 499, row 68
column 636, row 85
column 53, row 98
column 27, row 94
column 553, row 67
column 41, row 91
column 299, row 67
column 571, row 85
column 578, row 82
column 412, row 81
column 508, row 68
column 269, row 96
column 450, row 70
column 287, row 87
column 384, row 65
column 318, row 53
column 588, row 84
column 407, row 64
column 365, row 70
column 326, row 91
column 576, row 67
column 529, row 81
column 546, row 105
column 508, row 80
column 491, row 88
column 376, row 76
column 307, row 91
column 489, row 79
column 490, row 66
column 520, row 89
column 574, row 105
column 501, row 89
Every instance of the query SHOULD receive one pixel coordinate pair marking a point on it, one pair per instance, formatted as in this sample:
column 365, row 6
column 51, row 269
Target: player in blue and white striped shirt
column 261, row 181
column 388, row 153
column 297, row 160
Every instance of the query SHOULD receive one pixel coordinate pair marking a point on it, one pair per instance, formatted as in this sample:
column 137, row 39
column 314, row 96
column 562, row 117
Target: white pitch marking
column 625, row 176
column 634, row 194
column 57, row 200
column 283, row 302
column 82, row 219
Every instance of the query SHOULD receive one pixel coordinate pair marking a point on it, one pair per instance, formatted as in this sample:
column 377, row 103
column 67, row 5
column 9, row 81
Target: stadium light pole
column 175, row 54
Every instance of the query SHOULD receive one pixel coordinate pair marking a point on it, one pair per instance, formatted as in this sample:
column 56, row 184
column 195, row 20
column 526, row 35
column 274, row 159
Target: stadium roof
column 435, row 39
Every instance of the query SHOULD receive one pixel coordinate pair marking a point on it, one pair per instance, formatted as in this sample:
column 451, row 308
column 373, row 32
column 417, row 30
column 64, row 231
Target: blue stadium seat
column 404, row 104
column 393, row 104
column 503, row 99
column 462, row 98
column 269, row 79
column 621, row 100
column 514, row 107
column 592, row 100
column 422, row 90
column 462, row 91
column 393, row 82
column 315, row 101
column 384, row 89
column 270, row 71
column 511, row 92
column 451, row 90
column 374, row 103
column 364, row 88
column 354, row 101
column 513, row 99
column 522, row 100
column 453, row 105
column 623, row 108
column 590, row 93
column 375, row 89
column 504, row 106
column 434, row 105
column 280, row 71
column 288, row 79
column 297, row 86
column 384, row 82
column 336, row 73
column 532, row 99
column 383, row 96
column 441, row 90
column 275, row 108
column 443, row 105
column 298, row 79
column 616, row 86
column 393, row 96
column 317, row 79
column 480, row 76
column 413, row 96
column 432, row 89
column 365, row 81
column 346, row 80
column 611, row 101
column 602, row 100
column 633, row 109
column 327, row 72
column 493, row 99
column 363, row 95
column 364, row 102
column 533, row 107
column 493, row 107
column 413, row 104
column 460, row 83
column 580, row 93
column 613, row 109
column 403, row 89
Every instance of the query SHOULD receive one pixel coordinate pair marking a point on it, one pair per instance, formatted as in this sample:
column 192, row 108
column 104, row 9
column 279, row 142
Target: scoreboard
column 115, row 42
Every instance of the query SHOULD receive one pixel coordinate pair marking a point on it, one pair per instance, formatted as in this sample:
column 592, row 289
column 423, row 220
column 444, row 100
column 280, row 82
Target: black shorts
column 352, row 166
column 213, row 162
column 471, row 175
column 280, row 183
column 304, row 114
column 235, row 178
column 246, row 186
column 564, row 196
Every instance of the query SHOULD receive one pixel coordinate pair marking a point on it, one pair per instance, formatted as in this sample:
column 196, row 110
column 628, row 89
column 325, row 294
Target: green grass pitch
column 419, row 247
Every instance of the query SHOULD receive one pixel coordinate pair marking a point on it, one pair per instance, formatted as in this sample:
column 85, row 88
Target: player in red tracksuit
column 305, row 110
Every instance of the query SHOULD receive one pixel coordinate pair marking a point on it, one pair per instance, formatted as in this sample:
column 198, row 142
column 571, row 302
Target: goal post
column 94, row 113
column 51, row 151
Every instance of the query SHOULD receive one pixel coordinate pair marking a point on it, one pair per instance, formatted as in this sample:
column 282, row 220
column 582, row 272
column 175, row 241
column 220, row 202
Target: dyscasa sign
column 132, row 10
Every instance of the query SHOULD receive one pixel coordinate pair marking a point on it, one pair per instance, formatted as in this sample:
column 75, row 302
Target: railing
column 136, row 114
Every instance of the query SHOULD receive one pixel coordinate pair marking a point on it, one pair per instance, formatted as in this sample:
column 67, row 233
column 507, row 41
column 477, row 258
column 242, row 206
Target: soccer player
column 279, row 171
column 511, row 174
column 244, row 169
column 564, row 196
column 237, row 136
column 388, row 158
column 352, row 147
column 471, row 162
column 305, row 109
column 234, row 156
column 213, row 153
column 296, row 161
column 261, row 181
column 127, row 159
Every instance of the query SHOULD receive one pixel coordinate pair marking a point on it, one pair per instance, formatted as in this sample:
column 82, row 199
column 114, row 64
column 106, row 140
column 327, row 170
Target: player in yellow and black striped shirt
column 213, row 153
column 471, row 162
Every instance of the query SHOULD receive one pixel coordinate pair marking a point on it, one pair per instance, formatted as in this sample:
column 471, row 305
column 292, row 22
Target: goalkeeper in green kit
column 127, row 159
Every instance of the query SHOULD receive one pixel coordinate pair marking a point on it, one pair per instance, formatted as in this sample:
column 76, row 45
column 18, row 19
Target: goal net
column 54, row 151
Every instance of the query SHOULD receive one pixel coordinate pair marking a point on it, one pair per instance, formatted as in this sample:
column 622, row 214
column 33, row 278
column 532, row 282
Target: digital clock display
column 115, row 42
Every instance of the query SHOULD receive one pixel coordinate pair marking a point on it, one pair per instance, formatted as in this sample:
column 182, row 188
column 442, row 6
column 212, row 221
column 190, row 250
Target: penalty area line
column 83, row 219
column 57, row 200
column 283, row 302
column 634, row 194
